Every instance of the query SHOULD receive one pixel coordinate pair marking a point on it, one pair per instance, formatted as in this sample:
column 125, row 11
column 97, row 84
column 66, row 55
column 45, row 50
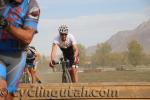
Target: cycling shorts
column 71, row 63
column 11, row 68
column 30, row 65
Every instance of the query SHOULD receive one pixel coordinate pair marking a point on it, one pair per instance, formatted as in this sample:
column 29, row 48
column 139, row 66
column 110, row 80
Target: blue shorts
column 30, row 65
column 11, row 68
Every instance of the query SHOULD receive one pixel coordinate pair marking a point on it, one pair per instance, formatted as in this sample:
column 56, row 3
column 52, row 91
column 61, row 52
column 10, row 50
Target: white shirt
column 70, row 40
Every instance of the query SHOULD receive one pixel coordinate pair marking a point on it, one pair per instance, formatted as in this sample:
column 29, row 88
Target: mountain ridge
column 120, row 40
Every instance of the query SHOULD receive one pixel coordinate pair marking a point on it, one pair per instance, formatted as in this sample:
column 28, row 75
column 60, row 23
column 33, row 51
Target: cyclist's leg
column 73, row 74
column 26, row 75
column 27, row 71
column 3, row 84
column 30, row 69
column 37, row 78
column 32, row 73
column 15, row 64
column 23, row 77
column 15, row 70
column 35, row 71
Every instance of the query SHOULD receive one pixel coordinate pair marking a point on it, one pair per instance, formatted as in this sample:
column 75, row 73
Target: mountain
column 120, row 40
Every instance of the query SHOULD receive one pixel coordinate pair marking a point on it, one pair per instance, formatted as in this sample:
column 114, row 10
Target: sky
column 90, row 21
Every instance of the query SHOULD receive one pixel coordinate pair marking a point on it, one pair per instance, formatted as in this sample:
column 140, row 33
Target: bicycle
column 66, row 78
column 25, row 77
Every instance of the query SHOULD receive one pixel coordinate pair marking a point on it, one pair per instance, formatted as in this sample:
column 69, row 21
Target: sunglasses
column 63, row 34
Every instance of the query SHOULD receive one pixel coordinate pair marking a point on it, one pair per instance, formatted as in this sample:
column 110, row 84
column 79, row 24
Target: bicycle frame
column 66, row 78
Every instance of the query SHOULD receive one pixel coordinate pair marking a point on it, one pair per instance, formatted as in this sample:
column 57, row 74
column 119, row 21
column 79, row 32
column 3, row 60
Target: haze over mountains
column 120, row 40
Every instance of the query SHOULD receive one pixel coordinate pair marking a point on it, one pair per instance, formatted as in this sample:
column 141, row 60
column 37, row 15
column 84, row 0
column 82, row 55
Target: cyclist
column 18, row 24
column 68, row 45
column 31, row 63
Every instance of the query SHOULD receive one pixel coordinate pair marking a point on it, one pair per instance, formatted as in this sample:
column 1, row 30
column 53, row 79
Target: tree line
column 104, row 56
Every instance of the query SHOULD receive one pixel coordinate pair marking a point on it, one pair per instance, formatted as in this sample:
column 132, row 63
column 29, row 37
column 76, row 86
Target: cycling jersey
column 30, row 57
column 24, row 15
column 12, row 63
column 66, row 47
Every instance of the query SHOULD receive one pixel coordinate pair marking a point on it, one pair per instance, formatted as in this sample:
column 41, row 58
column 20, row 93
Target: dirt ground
column 107, row 76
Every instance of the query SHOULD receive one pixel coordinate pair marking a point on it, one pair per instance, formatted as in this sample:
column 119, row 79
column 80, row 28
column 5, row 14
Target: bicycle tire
column 66, row 78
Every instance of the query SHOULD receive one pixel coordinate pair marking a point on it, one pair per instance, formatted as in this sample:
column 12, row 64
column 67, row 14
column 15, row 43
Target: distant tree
column 118, row 59
column 82, row 54
column 101, row 56
column 146, row 60
column 124, row 58
column 135, row 53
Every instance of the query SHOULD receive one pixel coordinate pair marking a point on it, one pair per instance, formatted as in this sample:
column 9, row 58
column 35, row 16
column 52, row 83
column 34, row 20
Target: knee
column 12, row 89
column 3, row 83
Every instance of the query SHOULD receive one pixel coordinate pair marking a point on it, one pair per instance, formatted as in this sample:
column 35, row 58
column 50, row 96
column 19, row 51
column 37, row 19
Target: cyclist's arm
column 25, row 35
column 75, row 48
column 29, row 25
column 74, row 43
column 53, row 52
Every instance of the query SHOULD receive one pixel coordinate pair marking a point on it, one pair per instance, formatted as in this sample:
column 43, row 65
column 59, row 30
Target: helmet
column 16, row 1
column 63, row 29
column 32, row 49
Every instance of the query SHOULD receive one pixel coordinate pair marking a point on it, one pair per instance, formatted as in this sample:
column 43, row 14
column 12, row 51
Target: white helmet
column 63, row 29
column 32, row 49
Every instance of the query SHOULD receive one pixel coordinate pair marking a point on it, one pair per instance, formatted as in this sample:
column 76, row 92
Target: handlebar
column 61, row 61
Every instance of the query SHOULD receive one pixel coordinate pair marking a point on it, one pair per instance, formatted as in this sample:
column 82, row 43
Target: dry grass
column 109, row 76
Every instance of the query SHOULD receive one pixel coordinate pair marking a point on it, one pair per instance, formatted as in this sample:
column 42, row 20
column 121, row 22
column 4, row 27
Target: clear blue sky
column 90, row 21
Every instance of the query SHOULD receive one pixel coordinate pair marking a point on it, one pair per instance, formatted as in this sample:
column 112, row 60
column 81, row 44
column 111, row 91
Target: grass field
column 106, row 76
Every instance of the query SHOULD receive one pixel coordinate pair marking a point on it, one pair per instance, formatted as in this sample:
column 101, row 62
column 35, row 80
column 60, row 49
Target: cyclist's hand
column 51, row 64
column 76, row 60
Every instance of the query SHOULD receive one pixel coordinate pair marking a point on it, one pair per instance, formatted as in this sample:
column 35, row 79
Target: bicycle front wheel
column 66, row 78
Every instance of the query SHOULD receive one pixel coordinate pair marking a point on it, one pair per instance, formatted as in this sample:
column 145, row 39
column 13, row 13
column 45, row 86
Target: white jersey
column 66, row 47
column 70, row 40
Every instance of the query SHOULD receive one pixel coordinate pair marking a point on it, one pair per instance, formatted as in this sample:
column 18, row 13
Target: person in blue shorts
column 18, row 24
column 31, row 64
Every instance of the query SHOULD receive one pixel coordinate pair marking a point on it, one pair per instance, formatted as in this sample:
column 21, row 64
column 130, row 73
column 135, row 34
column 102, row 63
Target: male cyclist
column 31, row 63
column 18, row 24
column 68, row 45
